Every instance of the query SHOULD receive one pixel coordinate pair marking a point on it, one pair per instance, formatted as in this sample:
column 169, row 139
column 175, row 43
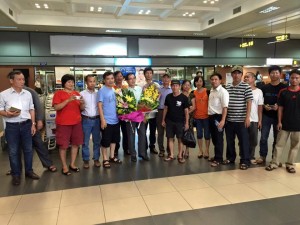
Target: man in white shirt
column 90, row 122
column 134, row 126
column 217, row 112
column 17, row 109
column 255, row 115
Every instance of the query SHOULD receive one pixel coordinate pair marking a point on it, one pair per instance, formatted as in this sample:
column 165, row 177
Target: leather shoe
column 16, row 180
column 146, row 158
column 32, row 175
column 133, row 159
column 153, row 150
column 127, row 153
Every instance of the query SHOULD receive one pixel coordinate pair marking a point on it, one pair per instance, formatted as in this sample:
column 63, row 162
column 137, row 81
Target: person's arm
column 32, row 115
column 101, row 114
column 186, row 112
column 82, row 104
column 279, row 115
column 163, row 123
column 259, row 111
column 193, row 106
column 61, row 105
column 247, row 120
column 39, row 112
column 223, row 119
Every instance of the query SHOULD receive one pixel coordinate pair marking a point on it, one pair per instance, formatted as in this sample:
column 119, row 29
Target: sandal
column 181, row 160
column 200, row 156
column 244, row 166
column 206, row 157
column 97, row 164
column 115, row 160
column 215, row 164
column 52, row 168
column 186, row 156
column 169, row 158
column 270, row 168
column 290, row 169
column 106, row 164
column 75, row 169
column 226, row 162
column 68, row 173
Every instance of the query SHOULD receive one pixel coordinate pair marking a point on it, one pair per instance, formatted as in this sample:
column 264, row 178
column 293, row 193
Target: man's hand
column 279, row 126
column 33, row 129
column 163, row 123
column 275, row 107
column 247, row 122
column 221, row 124
column 259, row 125
column 39, row 124
column 186, row 126
column 10, row 114
column 103, row 124
column 267, row 107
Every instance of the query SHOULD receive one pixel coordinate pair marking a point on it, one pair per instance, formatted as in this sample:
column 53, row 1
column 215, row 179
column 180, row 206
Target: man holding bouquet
column 132, row 126
column 175, row 119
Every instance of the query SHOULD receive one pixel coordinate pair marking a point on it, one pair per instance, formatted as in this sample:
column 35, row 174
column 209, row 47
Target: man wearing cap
column 238, row 118
column 175, row 119
column 164, row 90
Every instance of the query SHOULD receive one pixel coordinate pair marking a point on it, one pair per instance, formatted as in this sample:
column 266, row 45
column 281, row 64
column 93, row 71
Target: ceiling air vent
column 237, row 10
column 211, row 21
column 11, row 12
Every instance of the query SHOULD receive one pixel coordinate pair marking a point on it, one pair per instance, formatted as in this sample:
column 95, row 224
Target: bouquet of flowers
column 126, row 106
column 126, row 102
column 150, row 99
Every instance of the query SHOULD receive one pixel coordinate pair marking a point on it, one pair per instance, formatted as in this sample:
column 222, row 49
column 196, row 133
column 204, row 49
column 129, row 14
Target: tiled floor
column 152, row 193
column 145, row 198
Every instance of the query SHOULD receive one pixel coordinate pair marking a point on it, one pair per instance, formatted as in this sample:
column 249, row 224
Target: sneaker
column 253, row 162
column 261, row 160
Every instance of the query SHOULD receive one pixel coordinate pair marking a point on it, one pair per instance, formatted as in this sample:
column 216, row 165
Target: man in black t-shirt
column 288, row 123
column 175, row 118
column 269, row 118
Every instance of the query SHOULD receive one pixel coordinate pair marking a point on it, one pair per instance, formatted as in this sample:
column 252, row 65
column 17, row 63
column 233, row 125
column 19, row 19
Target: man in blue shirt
column 109, row 120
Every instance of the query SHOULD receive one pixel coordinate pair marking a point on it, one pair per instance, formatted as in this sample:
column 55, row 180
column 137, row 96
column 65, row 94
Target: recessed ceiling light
column 92, row 8
column 210, row 1
column 204, row 2
column 183, row 14
column 46, row 6
column 149, row 11
column 269, row 9
column 99, row 9
column 37, row 5
column 199, row 34
column 113, row 31
column 249, row 35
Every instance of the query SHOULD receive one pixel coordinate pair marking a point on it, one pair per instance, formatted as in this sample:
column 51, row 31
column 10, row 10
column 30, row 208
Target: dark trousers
column 253, row 132
column 161, row 132
column 217, row 137
column 267, row 122
column 152, row 138
column 132, row 127
column 41, row 149
column 124, row 138
column 238, row 129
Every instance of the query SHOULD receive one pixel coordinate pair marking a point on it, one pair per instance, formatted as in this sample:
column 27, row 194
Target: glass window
column 44, row 81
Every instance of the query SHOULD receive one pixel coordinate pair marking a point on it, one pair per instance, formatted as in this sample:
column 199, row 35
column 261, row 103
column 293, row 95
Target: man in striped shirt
column 238, row 118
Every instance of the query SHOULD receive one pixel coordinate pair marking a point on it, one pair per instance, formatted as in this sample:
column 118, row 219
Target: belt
column 160, row 109
column 22, row 122
column 90, row 117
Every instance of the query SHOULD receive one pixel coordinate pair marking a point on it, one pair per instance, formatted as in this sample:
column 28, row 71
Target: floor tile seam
column 61, row 193
column 102, row 201
column 143, row 200
column 10, row 218
column 185, row 199
column 271, row 197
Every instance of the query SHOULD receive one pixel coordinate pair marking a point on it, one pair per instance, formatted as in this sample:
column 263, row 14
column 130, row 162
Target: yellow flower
column 128, row 98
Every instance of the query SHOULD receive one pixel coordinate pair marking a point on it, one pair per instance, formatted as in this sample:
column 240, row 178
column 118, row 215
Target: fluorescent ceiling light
column 99, row 9
column 113, row 31
column 249, row 35
column 92, row 8
column 280, row 61
column 270, row 9
column 7, row 27
column 133, row 62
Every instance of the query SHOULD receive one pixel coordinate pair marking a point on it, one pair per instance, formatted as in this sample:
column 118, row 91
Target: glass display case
column 44, row 80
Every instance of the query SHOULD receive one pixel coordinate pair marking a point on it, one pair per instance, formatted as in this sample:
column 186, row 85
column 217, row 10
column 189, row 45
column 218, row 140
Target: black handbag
column 188, row 138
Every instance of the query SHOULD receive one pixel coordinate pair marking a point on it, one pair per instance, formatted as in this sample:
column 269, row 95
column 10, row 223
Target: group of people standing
column 240, row 109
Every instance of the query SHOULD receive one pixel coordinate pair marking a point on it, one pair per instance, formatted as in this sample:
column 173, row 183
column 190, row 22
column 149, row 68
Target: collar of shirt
column 12, row 90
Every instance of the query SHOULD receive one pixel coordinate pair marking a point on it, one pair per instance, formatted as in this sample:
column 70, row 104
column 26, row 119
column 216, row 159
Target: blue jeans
column 91, row 126
column 267, row 122
column 202, row 124
column 238, row 129
column 18, row 136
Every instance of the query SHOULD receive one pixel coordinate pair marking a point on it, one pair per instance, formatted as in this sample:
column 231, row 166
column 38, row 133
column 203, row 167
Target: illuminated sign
column 280, row 38
column 247, row 44
column 133, row 62
column 280, row 61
